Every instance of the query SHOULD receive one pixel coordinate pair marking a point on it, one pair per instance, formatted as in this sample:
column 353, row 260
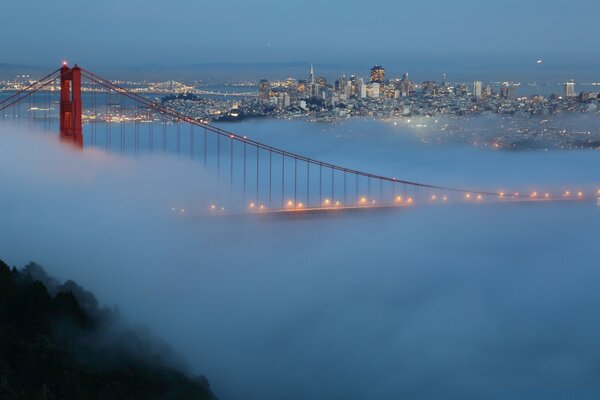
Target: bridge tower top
column 70, row 104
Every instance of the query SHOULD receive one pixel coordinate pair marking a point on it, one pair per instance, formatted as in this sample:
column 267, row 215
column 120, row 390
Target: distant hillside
column 55, row 343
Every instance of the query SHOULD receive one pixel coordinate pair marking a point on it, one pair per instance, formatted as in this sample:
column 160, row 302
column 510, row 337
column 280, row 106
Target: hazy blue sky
column 405, row 34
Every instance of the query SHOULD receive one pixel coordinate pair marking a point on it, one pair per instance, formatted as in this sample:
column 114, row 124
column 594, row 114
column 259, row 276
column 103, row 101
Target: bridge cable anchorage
column 221, row 132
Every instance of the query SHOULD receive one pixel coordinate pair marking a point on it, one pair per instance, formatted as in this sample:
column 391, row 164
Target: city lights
column 383, row 200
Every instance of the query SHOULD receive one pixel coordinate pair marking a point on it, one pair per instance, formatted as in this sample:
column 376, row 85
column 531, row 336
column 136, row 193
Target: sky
column 430, row 35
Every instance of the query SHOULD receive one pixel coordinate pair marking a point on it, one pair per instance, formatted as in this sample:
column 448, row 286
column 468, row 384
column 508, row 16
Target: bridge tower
column 70, row 104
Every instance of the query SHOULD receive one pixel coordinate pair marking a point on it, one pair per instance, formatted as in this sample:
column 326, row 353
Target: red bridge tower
column 70, row 104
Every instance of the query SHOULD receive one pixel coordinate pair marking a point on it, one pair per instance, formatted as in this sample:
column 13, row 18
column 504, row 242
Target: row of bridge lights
column 536, row 195
column 363, row 201
column 327, row 203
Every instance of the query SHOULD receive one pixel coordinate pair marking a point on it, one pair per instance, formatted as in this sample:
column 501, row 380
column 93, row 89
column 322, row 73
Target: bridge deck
column 333, row 210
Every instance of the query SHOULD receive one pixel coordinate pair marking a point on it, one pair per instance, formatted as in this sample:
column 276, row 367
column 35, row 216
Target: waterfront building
column 570, row 89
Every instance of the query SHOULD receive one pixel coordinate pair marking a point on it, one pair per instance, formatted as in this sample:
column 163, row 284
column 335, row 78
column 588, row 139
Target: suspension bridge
column 251, row 176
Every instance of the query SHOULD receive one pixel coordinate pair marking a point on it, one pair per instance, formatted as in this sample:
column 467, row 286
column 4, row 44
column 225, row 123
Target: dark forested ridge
column 56, row 343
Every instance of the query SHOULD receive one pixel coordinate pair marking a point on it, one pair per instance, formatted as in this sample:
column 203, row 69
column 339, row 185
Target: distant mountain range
column 211, row 72
column 458, row 69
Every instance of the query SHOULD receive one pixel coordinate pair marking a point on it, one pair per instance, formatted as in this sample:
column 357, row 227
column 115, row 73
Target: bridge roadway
column 332, row 210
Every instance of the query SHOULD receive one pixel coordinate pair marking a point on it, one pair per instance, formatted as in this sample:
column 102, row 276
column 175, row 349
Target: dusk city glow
column 327, row 200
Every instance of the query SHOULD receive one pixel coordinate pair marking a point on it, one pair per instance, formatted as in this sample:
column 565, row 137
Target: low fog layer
column 459, row 301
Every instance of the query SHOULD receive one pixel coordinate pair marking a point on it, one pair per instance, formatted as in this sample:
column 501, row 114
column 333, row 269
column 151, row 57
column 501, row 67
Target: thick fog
column 464, row 301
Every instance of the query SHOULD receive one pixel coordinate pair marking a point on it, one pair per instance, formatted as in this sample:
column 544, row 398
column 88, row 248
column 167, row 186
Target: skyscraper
column 264, row 91
column 313, row 87
column 477, row 85
column 311, row 76
column 570, row 89
column 321, row 81
column 378, row 74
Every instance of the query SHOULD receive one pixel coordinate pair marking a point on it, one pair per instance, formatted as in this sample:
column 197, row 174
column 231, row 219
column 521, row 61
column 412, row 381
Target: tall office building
column 477, row 86
column 361, row 88
column 301, row 87
column 570, row 89
column 373, row 90
column 264, row 91
column 313, row 86
column 321, row 81
column 378, row 74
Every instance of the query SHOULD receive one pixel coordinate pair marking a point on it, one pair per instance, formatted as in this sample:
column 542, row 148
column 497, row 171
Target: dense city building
column 264, row 91
column 378, row 74
column 570, row 89
column 477, row 85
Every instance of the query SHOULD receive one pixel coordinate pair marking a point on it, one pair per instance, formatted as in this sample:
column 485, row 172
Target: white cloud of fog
column 450, row 302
